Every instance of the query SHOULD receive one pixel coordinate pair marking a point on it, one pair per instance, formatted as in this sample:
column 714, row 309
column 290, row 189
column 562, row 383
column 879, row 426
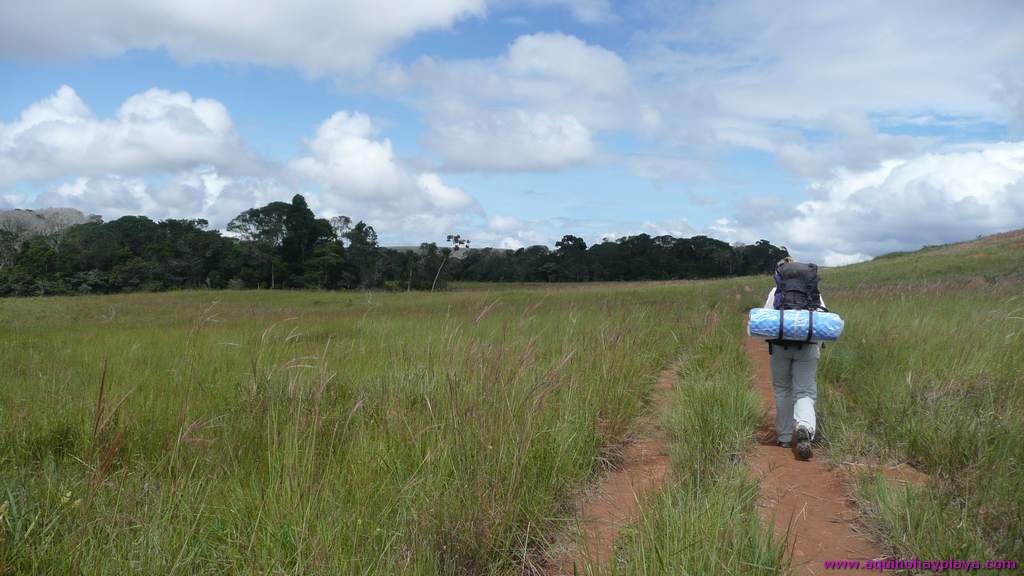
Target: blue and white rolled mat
column 764, row 323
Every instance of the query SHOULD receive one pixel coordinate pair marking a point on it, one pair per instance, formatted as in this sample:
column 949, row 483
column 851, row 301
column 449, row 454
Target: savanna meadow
column 456, row 432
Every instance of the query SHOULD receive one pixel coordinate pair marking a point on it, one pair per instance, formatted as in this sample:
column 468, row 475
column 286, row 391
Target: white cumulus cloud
column 443, row 196
column 829, row 85
column 317, row 36
column 512, row 140
column 356, row 173
column 819, row 58
column 198, row 193
column 901, row 204
column 156, row 130
column 539, row 106
column 169, row 155
column 346, row 160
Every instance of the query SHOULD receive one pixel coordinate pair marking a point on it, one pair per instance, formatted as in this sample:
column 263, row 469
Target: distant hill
column 43, row 222
column 985, row 259
column 462, row 253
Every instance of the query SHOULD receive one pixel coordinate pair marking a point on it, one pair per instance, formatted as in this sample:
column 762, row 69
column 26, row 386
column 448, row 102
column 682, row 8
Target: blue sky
column 841, row 130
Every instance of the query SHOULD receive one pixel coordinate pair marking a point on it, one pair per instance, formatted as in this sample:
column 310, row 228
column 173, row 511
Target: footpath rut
column 808, row 500
column 615, row 500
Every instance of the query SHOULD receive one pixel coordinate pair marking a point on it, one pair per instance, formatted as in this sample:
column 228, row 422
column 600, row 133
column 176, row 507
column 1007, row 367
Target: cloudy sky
column 841, row 130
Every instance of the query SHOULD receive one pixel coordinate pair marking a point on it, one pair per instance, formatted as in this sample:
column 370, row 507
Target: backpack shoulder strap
column 778, row 290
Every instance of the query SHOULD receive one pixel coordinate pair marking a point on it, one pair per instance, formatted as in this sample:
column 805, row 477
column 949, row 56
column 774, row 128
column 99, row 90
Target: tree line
column 285, row 245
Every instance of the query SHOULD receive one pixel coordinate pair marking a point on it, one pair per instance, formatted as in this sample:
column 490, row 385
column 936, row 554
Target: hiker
column 794, row 364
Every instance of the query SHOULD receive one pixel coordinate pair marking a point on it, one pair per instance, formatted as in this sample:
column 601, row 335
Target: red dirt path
column 615, row 500
column 808, row 499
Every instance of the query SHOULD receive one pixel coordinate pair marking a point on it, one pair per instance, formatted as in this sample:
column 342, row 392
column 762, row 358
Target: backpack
column 796, row 288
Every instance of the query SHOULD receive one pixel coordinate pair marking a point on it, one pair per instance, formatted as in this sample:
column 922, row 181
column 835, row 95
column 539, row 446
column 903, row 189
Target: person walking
column 794, row 365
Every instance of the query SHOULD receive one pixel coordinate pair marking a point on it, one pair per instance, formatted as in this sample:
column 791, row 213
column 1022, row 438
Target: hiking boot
column 784, row 444
column 802, row 445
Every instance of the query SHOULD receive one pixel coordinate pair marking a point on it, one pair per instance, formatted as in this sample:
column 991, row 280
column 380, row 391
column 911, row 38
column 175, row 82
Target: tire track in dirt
column 807, row 499
column 615, row 500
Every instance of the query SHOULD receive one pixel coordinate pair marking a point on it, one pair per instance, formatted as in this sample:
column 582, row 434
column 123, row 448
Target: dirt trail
column 807, row 498
column 615, row 500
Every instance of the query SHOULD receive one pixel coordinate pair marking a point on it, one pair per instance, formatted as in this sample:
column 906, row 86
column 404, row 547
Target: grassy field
column 323, row 433
column 219, row 432
column 931, row 372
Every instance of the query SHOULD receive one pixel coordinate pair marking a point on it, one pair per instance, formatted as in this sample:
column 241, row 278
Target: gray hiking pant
column 795, row 388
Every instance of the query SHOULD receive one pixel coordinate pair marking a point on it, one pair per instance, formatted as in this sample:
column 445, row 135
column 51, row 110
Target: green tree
column 571, row 256
column 363, row 254
column 264, row 228
column 10, row 243
column 303, row 232
column 458, row 243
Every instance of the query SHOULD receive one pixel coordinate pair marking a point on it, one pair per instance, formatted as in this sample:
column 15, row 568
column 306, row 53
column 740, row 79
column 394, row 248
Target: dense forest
column 284, row 245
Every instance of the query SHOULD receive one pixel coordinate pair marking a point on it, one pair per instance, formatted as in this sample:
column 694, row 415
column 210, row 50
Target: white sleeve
column 770, row 302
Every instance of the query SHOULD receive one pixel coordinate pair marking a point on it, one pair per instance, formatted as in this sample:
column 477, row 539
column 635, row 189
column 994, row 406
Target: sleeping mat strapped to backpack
column 794, row 326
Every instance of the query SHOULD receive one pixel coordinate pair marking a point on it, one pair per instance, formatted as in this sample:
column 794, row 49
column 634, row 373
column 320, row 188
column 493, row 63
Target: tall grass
column 311, row 433
column 930, row 372
column 705, row 521
column 934, row 378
